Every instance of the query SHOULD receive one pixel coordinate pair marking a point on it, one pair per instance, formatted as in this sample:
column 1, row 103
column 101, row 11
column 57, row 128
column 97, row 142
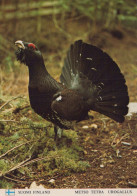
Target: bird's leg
column 46, row 131
column 55, row 131
column 58, row 132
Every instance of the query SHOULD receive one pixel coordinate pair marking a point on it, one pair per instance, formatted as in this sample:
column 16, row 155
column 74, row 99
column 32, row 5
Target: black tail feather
column 107, row 92
column 117, row 117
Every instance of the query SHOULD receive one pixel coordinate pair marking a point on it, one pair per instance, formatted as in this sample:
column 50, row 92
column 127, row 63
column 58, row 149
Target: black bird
column 90, row 80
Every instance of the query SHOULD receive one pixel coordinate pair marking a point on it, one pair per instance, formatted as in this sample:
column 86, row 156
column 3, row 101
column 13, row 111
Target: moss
column 31, row 137
column 4, row 166
column 4, row 184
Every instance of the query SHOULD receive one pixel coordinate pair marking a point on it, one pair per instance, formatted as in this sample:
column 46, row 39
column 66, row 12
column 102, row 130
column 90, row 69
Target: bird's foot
column 58, row 132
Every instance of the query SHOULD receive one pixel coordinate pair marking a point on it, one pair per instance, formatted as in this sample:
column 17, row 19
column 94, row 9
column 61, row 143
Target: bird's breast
column 40, row 101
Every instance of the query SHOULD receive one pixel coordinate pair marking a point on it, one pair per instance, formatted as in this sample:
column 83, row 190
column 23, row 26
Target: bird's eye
column 32, row 46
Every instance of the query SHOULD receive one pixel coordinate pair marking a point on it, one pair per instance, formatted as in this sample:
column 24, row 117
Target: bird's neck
column 37, row 73
column 39, row 78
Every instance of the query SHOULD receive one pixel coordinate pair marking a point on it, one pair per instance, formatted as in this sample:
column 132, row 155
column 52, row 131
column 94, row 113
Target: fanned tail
column 97, row 78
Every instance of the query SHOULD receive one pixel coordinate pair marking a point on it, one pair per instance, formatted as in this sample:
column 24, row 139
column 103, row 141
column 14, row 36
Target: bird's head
column 27, row 53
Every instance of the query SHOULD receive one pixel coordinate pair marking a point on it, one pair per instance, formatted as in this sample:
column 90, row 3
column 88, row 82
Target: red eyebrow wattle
column 31, row 45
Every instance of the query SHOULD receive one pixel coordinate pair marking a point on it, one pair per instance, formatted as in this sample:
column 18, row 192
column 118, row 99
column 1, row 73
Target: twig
column 117, row 142
column 10, row 101
column 25, row 163
column 14, row 121
column 19, row 165
column 129, row 127
column 15, row 167
column 123, row 137
column 104, row 123
column 16, row 110
column 33, row 161
column 14, row 148
column 13, row 179
column 22, row 123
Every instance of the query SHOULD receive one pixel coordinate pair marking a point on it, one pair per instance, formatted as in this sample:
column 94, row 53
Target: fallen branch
column 19, row 165
column 15, row 167
column 25, row 163
column 14, row 121
column 10, row 101
column 15, row 147
column 15, row 180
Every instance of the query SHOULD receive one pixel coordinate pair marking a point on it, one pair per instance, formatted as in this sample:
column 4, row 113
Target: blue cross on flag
column 10, row 192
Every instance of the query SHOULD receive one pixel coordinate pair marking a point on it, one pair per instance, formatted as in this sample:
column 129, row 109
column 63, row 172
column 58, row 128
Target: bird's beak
column 19, row 44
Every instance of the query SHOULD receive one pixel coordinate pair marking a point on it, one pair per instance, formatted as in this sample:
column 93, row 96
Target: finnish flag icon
column 10, row 192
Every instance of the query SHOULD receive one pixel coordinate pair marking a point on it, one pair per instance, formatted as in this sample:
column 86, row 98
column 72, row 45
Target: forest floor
column 108, row 149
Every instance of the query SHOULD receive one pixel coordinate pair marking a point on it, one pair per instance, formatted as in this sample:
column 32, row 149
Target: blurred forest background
column 53, row 25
